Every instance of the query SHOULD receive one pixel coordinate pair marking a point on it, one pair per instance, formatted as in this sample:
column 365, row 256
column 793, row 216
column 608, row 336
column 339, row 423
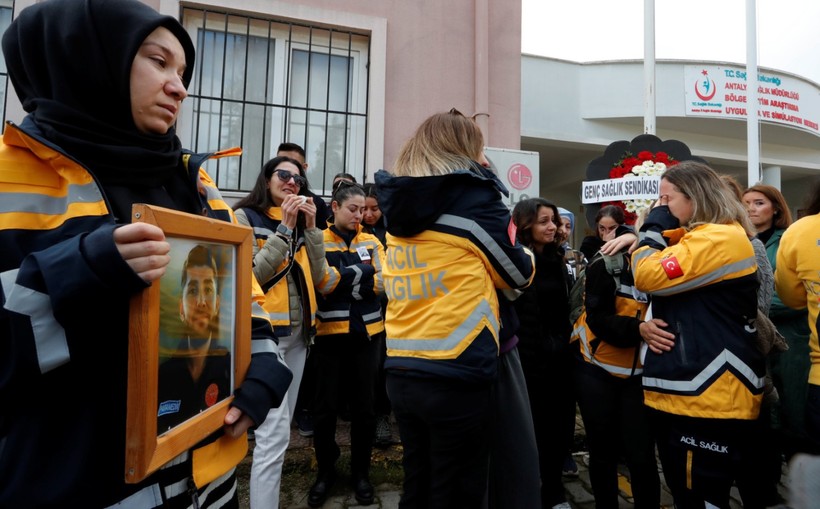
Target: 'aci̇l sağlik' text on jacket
column 448, row 250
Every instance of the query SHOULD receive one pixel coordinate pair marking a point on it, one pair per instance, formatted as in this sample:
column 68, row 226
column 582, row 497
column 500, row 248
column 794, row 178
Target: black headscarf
column 70, row 63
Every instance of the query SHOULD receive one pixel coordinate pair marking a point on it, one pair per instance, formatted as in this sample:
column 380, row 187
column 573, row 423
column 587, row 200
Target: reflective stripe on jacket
column 277, row 290
column 448, row 249
column 441, row 289
column 703, row 284
column 349, row 294
column 65, row 297
column 622, row 362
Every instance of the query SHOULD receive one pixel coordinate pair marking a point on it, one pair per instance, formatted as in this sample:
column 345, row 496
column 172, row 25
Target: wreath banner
column 628, row 175
column 635, row 189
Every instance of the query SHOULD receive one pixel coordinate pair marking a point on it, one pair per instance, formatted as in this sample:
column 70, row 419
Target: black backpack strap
column 614, row 263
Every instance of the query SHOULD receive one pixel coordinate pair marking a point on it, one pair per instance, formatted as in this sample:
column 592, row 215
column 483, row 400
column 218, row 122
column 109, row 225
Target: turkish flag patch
column 671, row 267
column 511, row 231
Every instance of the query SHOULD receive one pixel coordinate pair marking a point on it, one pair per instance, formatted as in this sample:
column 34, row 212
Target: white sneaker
column 562, row 505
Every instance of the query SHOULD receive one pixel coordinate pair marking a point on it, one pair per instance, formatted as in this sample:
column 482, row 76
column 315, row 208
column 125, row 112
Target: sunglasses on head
column 285, row 175
column 345, row 183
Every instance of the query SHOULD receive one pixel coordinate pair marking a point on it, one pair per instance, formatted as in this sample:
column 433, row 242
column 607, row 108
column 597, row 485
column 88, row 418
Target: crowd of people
column 418, row 297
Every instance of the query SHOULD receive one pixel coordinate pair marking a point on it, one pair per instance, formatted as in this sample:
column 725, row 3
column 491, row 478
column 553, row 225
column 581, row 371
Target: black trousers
column 514, row 473
column 444, row 426
column 552, row 401
column 701, row 458
column 617, row 424
column 345, row 362
column 761, row 474
column 382, row 402
column 813, row 419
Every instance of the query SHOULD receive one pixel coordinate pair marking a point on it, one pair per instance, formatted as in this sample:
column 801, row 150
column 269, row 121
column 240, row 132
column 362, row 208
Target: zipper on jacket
column 681, row 344
column 637, row 349
column 194, row 495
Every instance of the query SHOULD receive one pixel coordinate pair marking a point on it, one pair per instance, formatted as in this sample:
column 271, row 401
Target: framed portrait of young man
column 189, row 338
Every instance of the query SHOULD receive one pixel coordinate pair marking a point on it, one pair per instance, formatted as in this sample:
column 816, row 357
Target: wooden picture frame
column 148, row 448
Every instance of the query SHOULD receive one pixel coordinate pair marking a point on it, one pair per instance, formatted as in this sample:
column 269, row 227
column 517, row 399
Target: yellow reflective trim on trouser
column 689, row 455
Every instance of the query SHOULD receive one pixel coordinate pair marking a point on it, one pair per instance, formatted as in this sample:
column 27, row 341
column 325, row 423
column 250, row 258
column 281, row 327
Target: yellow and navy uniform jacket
column 797, row 278
column 778, row 311
column 64, row 331
column 447, row 251
column 349, row 294
column 607, row 331
column 703, row 284
column 297, row 263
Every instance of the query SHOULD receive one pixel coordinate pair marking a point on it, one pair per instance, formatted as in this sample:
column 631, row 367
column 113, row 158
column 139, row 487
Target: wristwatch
column 284, row 230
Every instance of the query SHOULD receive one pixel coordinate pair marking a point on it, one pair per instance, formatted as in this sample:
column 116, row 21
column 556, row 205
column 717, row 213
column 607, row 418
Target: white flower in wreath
column 648, row 168
column 636, row 206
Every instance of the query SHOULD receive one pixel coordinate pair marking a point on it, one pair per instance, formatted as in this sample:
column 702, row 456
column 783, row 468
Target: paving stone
column 579, row 492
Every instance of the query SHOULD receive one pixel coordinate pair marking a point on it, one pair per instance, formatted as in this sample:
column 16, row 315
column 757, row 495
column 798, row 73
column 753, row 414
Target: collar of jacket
column 275, row 213
column 347, row 237
column 410, row 204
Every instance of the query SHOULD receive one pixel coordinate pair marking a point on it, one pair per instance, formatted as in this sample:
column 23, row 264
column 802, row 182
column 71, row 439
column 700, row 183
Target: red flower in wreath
column 645, row 163
column 646, row 154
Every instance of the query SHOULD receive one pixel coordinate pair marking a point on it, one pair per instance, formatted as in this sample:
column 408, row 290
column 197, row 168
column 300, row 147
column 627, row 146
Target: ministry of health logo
column 705, row 88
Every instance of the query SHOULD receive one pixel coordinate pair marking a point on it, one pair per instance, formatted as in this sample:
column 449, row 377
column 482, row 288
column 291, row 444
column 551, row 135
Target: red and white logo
column 705, row 88
column 671, row 267
column 519, row 176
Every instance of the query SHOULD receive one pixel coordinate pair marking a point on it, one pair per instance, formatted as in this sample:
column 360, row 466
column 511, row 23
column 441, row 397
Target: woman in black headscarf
column 102, row 82
column 70, row 63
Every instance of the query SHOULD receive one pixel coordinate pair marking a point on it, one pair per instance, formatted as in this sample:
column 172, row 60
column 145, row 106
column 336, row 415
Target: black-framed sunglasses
column 285, row 175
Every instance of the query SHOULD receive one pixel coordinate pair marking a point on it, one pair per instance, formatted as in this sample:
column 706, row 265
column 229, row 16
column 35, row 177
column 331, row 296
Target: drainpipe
column 752, row 124
column 482, row 68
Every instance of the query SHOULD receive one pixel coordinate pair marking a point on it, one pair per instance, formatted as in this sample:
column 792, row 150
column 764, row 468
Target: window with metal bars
column 260, row 82
column 6, row 8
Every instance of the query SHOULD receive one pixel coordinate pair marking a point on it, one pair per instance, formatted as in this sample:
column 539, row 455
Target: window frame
column 278, row 107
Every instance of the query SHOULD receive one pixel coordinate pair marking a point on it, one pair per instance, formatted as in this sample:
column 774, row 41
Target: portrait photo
column 196, row 331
